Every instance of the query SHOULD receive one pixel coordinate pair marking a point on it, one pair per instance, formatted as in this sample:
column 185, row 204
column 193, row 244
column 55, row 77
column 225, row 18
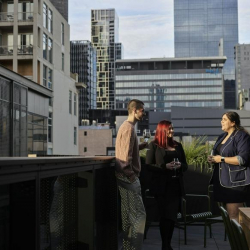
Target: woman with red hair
column 167, row 181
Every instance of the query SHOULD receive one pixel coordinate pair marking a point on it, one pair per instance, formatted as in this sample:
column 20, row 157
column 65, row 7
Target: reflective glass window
column 214, row 16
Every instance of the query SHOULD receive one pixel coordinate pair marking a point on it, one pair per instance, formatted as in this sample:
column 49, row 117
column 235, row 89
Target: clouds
column 146, row 36
column 146, row 26
column 244, row 17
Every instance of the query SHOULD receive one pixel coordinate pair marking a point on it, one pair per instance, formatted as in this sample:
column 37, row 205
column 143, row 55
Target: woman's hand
column 173, row 165
column 210, row 159
column 214, row 158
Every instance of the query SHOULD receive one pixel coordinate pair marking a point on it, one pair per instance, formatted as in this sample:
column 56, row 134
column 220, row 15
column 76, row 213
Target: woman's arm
column 152, row 162
column 243, row 151
column 229, row 160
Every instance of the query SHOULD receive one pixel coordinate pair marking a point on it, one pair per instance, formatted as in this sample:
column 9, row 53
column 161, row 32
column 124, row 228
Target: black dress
column 169, row 201
column 228, row 195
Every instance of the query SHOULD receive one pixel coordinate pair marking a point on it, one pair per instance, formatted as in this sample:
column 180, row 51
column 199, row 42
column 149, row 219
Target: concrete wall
column 203, row 121
column 94, row 141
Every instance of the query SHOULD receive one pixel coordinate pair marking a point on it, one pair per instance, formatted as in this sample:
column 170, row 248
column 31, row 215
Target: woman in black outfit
column 231, row 158
column 166, row 188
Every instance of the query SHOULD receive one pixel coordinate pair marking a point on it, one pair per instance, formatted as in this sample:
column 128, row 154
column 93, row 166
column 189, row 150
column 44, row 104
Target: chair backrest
column 229, row 229
column 239, row 235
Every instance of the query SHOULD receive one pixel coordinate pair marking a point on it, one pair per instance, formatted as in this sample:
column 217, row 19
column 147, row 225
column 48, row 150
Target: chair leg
column 205, row 235
column 210, row 230
column 185, row 234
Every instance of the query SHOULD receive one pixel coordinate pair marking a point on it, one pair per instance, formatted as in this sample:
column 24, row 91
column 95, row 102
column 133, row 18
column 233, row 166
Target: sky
column 146, row 27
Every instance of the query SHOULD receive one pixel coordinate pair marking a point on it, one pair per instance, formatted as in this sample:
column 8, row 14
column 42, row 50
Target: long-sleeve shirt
column 128, row 162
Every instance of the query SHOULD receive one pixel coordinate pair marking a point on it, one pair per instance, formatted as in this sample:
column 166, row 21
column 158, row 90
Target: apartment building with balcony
column 34, row 42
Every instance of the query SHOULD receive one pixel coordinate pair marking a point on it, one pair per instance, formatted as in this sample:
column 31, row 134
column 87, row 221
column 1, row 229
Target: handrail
column 25, row 16
column 6, row 50
column 6, row 16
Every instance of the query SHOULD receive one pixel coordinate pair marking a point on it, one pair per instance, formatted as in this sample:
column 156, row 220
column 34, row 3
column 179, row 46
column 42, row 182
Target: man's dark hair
column 134, row 104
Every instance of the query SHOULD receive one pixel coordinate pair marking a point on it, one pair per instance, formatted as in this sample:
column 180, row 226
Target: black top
column 157, row 158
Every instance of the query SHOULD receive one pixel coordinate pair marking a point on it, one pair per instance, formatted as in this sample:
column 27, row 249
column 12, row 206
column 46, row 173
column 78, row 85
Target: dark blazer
column 238, row 144
column 160, row 175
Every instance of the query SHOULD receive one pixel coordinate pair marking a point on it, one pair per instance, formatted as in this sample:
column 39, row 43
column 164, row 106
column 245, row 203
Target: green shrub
column 197, row 152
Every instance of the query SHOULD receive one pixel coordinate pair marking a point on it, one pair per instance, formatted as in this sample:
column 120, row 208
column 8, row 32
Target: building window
column 25, row 44
column 45, row 14
column 50, row 49
column 74, row 103
column 50, row 127
column 50, row 77
column 44, row 76
column 85, row 149
column 50, row 102
column 85, row 133
column 62, row 62
column 62, row 33
column 50, row 21
column 47, row 77
column 45, row 47
column 70, row 102
column 75, row 136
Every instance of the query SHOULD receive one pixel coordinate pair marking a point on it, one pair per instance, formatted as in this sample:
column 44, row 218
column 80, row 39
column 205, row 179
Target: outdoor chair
column 229, row 229
column 192, row 213
column 239, row 235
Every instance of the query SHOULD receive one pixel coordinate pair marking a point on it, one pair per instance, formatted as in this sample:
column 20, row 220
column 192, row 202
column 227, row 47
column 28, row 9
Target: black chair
column 239, row 235
column 191, row 214
column 229, row 229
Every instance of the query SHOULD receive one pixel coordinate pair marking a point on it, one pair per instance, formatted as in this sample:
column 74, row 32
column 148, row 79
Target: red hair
column 161, row 138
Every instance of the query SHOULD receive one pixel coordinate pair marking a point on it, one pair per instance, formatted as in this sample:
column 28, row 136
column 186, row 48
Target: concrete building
column 164, row 82
column 24, row 109
column 95, row 139
column 104, row 36
column 62, row 7
column 196, row 121
column 198, row 28
column 35, row 43
column 242, row 72
column 83, row 62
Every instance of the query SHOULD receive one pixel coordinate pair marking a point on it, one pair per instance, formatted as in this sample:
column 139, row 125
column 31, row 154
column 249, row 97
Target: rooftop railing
column 64, row 202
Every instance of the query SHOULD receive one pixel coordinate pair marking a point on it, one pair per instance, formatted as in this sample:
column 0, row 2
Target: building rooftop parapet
column 167, row 59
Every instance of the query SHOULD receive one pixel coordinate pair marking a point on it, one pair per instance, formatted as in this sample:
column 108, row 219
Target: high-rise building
column 35, row 43
column 104, row 36
column 198, row 28
column 62, row 7
column 242, row 72
column 83, row 62
column 164, row 82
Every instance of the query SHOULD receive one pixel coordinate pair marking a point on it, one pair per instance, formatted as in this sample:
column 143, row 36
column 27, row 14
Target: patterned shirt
column 128, row 162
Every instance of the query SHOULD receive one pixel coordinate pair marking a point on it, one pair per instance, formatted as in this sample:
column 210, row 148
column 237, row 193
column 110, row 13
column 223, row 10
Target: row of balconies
column 21, row 50
column 21, row 16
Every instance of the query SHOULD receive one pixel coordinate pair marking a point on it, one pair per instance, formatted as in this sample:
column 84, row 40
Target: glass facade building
column 162, row 83
column 198, row 28
column 242, row 72
column 83, row 62
column 23, row 121
column 104, row 37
